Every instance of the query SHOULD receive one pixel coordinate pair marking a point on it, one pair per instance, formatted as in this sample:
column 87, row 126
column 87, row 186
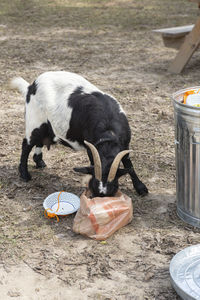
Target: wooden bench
column 174, row 37
column 187, row 38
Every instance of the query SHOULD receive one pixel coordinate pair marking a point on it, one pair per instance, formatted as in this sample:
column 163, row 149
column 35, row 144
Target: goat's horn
column 97, row 161
column 115, row 164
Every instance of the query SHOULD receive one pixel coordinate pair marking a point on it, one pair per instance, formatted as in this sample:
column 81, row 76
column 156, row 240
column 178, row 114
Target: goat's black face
column 102, row 188
column 105, row 171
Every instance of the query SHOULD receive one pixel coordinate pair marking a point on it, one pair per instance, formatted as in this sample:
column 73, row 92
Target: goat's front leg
column 137, row 183
column 23, row 167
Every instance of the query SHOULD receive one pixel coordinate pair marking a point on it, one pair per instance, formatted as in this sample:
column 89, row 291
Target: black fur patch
column 32, row 89
column 43, row 135
column 96, row 116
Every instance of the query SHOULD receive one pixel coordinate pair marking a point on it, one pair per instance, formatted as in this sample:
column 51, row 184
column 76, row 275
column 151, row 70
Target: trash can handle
column 195, row 138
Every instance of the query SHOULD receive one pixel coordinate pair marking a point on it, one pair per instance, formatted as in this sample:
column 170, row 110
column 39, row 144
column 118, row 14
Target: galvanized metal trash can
column 187, row 150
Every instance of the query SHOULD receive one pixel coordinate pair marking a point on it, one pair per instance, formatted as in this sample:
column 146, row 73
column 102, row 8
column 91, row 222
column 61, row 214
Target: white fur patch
column 75, row 145
column 34, row 117
column 38, row 150
column 21, row 84
column 102, row 189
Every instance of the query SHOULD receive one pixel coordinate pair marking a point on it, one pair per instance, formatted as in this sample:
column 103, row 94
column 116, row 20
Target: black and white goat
column 64, row 107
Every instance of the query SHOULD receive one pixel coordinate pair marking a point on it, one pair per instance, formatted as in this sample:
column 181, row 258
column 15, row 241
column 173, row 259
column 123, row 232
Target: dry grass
column 111, row 44
column 95, row 15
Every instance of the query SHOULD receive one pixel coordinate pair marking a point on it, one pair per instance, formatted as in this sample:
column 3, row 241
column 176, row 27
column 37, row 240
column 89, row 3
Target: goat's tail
column 20, row 84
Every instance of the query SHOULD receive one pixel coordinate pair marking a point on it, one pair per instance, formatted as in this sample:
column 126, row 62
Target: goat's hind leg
column 23, row 166
column 137, row 183
column 37, row 157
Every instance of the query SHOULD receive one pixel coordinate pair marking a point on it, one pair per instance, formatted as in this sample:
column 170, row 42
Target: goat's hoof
column 37, row 158
column 141, row 189
column 24, row 175
column 40, row 164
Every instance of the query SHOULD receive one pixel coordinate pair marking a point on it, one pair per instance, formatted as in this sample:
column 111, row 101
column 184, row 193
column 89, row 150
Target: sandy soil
column 112, row 45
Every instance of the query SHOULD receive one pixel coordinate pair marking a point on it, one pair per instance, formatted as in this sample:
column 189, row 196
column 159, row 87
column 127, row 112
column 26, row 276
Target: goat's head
column 104, row 182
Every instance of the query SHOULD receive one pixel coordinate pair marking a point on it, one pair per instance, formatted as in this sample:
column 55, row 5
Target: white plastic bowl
column 68, row 203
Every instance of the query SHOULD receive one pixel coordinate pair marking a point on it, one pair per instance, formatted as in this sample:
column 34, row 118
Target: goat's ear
column 85, row 170
column 121, row 172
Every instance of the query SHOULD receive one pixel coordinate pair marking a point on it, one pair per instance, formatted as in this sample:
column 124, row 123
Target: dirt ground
column 111, row 43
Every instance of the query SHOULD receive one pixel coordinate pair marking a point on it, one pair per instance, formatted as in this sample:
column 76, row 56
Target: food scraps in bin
column 192, row 98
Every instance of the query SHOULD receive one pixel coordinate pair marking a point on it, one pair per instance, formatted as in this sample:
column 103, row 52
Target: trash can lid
column 185, row 273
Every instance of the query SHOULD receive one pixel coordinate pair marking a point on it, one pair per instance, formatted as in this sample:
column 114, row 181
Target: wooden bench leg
column 189, row 46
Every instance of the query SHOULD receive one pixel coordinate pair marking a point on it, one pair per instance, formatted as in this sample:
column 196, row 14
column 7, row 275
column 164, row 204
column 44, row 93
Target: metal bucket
column 187, row 148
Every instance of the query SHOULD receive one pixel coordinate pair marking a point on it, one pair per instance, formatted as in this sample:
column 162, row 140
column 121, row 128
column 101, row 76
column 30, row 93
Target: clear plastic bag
column 99, row 218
